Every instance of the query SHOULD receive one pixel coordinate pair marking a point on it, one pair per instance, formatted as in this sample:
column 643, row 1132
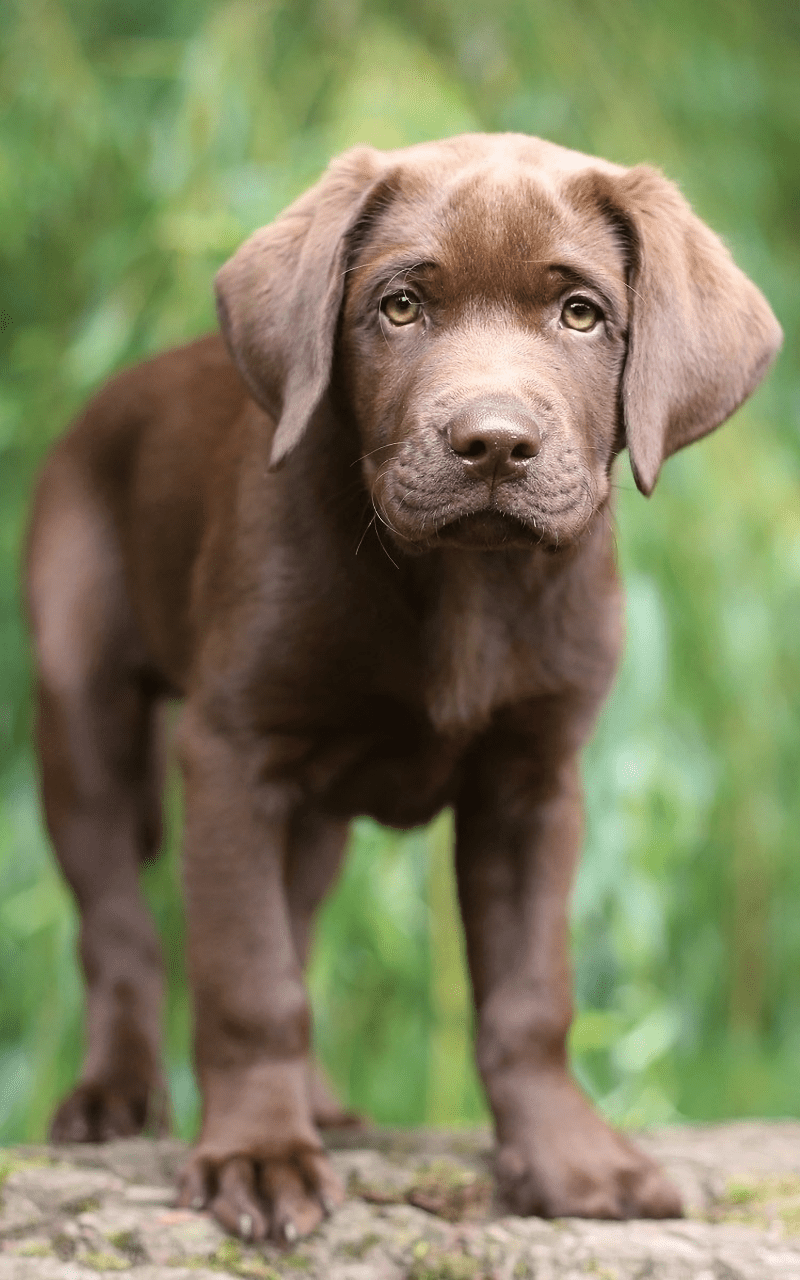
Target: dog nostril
column 525, row 449
column 475, row 449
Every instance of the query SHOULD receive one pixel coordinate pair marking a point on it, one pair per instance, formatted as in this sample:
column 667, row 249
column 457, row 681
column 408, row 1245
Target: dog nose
column 494, row 442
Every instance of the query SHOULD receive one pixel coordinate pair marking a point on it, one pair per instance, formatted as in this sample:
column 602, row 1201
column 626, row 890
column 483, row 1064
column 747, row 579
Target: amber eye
column 580, row 314
column 401, row 308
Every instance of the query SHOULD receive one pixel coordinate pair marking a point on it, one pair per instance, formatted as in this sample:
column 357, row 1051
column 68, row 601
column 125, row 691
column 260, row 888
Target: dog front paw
column 564, row 1161
column 278, row 1198
column 259, row 1165
column 588, row 1184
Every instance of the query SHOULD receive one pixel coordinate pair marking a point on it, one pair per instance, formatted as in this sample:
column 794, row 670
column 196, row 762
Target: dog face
column 509, row 314
column 483, row 338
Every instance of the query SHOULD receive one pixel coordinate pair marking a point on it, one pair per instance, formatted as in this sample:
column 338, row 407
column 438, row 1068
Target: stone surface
column 419, row 1208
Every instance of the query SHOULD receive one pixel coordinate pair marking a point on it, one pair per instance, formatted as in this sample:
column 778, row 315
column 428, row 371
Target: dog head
column 504, row 316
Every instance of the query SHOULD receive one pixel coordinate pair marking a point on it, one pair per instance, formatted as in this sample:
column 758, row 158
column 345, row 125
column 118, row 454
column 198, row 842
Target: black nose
column 494, row 441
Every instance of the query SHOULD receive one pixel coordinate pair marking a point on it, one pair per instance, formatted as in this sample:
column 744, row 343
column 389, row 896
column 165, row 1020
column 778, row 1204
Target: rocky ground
column 419, row 1208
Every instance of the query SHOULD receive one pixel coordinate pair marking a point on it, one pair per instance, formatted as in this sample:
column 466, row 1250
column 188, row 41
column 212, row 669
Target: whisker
column 364, row 534
column 357, row 265
column 377, row 449
column 384, row 521
column 383, row 548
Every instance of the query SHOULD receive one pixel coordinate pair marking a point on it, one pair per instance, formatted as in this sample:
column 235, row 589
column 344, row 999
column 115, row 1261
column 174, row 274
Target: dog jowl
column 365, row 535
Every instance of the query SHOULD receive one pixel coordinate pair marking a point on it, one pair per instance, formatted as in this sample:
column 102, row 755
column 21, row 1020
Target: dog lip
column 488, row 529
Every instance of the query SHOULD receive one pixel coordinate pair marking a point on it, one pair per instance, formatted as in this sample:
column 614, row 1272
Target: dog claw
column 289, row 1232
column 328, row 1204
column 245, row 1226
column 197, row 1203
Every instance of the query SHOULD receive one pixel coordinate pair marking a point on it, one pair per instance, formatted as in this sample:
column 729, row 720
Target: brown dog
column 373, row 552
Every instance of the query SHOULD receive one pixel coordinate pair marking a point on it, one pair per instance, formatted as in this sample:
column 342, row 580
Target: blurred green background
column 140, row 142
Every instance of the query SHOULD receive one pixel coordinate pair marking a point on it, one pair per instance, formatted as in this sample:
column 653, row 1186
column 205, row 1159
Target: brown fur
column 375, row 559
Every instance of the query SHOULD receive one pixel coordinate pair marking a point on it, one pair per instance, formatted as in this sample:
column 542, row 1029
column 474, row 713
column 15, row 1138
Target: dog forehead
column 502, row 214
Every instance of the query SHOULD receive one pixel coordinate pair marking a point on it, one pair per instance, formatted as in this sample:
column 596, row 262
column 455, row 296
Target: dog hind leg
column 100, row 766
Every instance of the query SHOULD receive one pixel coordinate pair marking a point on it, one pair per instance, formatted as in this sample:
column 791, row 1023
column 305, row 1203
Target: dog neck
column 478, row 633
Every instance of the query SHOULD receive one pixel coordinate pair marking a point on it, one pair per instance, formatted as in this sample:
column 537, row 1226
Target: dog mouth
column 489, row 530
column 509, row 517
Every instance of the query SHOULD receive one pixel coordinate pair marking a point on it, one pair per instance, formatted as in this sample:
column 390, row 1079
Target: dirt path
column 419, row 1209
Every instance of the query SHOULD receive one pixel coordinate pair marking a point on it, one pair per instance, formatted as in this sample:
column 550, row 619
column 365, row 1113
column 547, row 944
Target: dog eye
column 401, row 308
column 580, row 314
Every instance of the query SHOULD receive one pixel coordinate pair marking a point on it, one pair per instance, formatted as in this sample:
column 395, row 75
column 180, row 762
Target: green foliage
column 141, row 144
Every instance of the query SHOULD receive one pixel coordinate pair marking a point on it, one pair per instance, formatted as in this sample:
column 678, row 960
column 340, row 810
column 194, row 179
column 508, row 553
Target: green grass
column 141, row 144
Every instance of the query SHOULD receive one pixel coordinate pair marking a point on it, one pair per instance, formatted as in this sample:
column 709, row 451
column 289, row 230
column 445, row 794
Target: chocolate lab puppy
column 366, row 536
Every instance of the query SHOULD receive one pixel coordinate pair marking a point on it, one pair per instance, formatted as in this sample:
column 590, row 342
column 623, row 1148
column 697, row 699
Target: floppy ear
column 701, row 334
column 278, row 297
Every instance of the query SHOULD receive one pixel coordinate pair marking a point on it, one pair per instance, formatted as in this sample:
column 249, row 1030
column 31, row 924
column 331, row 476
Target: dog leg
column 99, row 756
column 259, row 1162
column 316, row 849
column 518, row 835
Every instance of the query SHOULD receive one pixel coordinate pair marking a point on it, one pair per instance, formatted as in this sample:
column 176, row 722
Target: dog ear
column 701, row 335
column 278, row 297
